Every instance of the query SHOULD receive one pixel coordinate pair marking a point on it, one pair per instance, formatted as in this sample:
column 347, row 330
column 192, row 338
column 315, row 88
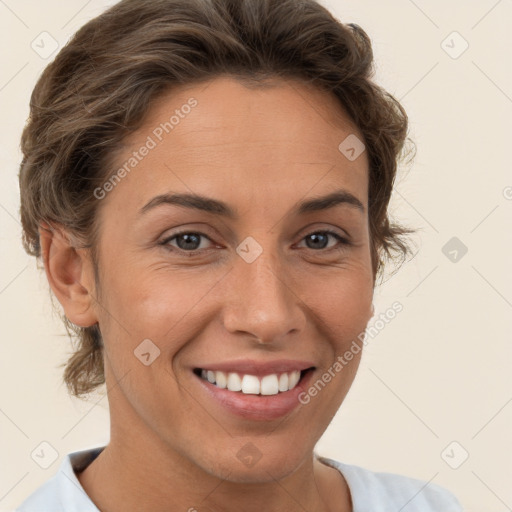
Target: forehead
column 224, row 138
column 282, row 109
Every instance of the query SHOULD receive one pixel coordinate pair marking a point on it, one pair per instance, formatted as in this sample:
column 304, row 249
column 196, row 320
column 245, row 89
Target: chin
column 251, row 465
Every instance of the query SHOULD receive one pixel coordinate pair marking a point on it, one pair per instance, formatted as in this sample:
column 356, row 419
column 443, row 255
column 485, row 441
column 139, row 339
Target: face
column 245, row 281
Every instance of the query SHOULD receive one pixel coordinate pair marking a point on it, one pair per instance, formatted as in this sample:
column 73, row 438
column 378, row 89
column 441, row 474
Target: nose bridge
column 262, row 303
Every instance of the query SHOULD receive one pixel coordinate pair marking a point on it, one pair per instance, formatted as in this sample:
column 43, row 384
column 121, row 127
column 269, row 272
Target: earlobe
column 69, row 273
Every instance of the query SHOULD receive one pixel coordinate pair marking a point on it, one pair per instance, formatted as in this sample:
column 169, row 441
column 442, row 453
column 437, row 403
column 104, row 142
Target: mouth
column 248, row 384
column 254, row 390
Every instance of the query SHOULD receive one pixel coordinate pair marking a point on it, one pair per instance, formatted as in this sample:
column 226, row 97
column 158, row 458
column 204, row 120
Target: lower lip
column 257, row 407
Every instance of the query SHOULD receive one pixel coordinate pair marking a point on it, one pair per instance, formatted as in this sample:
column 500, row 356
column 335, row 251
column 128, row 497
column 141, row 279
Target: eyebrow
column 216, row 207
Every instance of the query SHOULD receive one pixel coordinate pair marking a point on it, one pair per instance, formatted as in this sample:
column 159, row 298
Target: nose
column 261, row 300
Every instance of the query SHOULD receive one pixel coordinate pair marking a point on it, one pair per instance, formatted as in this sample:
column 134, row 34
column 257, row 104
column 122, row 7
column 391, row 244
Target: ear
column 70, row 274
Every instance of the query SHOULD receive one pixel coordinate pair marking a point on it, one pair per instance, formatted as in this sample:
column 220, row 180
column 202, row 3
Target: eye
column 187, row 241
column 190, row 241
column 320, row 239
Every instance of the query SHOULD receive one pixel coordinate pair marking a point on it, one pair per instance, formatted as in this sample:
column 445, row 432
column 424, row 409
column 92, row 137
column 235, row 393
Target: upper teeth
column 252, row 385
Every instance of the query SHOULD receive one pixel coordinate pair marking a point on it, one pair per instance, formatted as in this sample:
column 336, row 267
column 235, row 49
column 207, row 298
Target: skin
column 261, row 150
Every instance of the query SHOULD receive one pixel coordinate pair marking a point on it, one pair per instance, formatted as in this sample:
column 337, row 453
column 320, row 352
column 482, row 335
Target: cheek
column 340, row 304
column 166, row 306
column 165, row 303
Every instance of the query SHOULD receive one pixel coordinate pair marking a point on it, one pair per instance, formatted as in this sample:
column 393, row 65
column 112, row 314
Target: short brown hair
column 101, row 84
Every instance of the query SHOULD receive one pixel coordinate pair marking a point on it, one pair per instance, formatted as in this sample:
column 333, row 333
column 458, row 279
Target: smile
column 271, row 384
column 254, row 390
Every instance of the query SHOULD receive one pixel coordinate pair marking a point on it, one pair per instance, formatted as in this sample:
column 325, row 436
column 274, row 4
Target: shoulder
column 383, row 492
column 63, row 490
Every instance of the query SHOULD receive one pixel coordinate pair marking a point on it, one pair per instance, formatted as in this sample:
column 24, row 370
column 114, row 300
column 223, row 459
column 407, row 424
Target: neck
column 139, row 470
column 136, row 477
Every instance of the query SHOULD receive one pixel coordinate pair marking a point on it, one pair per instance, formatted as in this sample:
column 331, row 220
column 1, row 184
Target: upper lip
column 258, row 368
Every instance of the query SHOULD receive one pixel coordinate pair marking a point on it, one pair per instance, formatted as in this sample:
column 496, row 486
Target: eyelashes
column 195, row 236
column 341, row 240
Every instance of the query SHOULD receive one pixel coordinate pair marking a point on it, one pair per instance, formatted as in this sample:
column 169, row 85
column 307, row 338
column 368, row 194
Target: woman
column 207, row 184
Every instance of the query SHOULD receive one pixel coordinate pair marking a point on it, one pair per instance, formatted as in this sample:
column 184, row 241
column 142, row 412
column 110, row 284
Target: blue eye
column 320, row 239
column 190, row 241
column 187, row 241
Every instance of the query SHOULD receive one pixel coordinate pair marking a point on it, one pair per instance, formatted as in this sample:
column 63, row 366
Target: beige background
column 440, row 371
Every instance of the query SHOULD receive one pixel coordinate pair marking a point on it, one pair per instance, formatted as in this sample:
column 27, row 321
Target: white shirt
column 370, row 491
